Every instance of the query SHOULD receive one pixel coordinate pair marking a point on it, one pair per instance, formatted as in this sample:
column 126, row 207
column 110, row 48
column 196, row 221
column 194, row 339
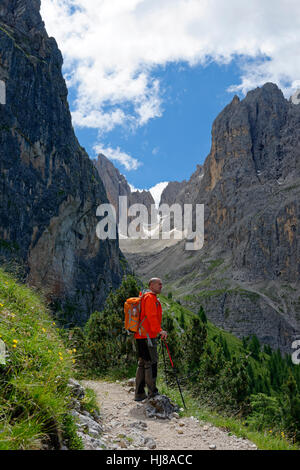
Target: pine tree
column 106, row 341
column 245, row 341
column 195, row 339
column 251, row 378
column 267, row 349
column 225, row 348
column 182, row 320
column 254, row 347
column 291, row 404
column 202, row 315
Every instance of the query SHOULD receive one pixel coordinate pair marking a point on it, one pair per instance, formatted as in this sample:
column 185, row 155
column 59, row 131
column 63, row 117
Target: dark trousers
column 146, row 373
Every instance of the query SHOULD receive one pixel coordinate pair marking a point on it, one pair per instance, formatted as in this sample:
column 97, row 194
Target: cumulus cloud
column 111, row 49
column 117, row 155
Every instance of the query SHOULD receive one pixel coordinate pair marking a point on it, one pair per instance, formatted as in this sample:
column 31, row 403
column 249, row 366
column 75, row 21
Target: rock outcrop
column 49, row 188
column 182, row 192
column 295, row 98
column 116, row 185
column 170, row 193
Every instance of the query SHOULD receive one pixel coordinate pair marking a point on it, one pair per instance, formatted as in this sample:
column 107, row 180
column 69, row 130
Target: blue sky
column 147, row 78
column 171, row 146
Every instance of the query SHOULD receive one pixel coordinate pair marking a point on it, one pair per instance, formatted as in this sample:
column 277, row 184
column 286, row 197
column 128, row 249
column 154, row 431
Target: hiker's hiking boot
column 146, row 397
column 154, row 394
column 140, row 397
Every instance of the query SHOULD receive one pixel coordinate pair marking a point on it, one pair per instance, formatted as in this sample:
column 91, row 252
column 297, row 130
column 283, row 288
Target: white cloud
column 111, row 48
column 123, row 158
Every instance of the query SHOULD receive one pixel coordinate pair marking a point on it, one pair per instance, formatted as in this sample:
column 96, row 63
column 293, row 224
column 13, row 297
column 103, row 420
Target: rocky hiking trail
column 125, row 424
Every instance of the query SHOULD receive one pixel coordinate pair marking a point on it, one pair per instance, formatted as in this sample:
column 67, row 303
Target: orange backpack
column 132, row 310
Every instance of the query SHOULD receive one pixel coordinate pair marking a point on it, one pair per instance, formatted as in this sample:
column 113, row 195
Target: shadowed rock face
column 49, row 188
column 171, row 191
column 247, row 273
column 251, row 183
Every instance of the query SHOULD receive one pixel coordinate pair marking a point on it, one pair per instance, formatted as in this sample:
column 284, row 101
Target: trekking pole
column 165, row 365
column 174, row 372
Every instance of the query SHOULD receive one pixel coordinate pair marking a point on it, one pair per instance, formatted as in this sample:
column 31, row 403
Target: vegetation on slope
column 233, row 378
column 232, row 383
column 34, row 393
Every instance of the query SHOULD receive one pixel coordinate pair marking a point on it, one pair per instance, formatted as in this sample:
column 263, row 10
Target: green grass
column 264, row 440
column 34, row 396
column 89, row 402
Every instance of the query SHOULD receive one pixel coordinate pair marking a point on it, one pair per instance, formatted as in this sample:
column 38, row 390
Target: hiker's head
column 155, row 284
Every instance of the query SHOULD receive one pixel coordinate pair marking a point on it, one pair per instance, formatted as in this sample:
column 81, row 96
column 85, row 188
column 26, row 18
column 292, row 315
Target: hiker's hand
column 163, row 334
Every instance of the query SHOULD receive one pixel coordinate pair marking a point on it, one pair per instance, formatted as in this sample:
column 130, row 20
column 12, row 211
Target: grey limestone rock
column 160, row 406
column 49, row 188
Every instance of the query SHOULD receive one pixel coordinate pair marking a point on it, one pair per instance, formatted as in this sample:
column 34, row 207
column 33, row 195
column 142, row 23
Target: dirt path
column 126, row 426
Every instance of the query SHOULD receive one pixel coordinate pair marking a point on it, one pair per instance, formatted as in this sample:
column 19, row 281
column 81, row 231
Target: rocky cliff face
column 182, row 192
column 250, row 184
column 116, row 185
column 49, row 188
column 247, row 274
column 171, row 192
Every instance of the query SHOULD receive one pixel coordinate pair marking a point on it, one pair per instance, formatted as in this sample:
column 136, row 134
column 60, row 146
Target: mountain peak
column 295, row 98
column 268, row 92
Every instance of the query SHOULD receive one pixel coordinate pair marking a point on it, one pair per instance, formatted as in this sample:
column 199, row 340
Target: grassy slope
column 34, row 395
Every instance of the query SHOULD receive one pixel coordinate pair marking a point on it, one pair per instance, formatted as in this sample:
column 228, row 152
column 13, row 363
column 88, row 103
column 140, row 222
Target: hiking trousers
column 146, row 372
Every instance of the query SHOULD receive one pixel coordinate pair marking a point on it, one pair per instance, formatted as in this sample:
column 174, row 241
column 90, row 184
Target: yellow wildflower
column 74, row 350
column 15, row 341
column 43, row 329
column 1, row 305
column 14, row 345
column 74, row 361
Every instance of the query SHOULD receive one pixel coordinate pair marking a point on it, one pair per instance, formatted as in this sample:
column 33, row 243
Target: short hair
column 153, row 279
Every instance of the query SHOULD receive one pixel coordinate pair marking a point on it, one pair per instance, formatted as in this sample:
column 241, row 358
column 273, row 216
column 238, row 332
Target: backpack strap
column 149, row 342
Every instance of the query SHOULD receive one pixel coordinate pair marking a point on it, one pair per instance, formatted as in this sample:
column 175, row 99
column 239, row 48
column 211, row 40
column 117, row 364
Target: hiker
column 146, row 340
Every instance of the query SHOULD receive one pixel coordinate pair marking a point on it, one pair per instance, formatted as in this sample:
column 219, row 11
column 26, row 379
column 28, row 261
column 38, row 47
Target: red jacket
column 151, row 308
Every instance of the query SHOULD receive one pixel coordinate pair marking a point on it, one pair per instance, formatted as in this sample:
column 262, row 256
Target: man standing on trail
column 146, row 339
